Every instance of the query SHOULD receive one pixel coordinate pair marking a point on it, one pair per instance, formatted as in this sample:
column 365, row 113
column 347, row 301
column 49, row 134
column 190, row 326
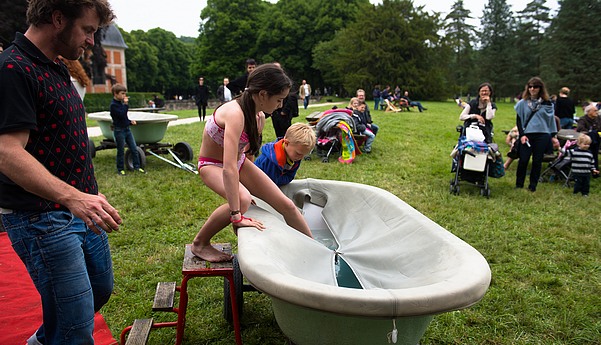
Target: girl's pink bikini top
column 217, row 133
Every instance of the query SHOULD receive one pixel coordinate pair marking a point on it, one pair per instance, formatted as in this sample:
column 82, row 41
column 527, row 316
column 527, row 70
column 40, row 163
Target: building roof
column 112, row 38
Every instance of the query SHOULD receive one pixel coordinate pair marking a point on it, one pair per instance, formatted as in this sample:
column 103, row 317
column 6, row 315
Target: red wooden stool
column 193, row 267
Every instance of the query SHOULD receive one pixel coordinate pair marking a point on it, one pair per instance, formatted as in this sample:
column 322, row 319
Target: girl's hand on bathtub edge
column 248, row 222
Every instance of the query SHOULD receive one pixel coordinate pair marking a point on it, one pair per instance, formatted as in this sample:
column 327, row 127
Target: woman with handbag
column 590, row 124
column 536, row 125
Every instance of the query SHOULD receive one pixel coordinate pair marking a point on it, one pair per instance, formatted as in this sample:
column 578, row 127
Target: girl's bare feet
column 210, row 253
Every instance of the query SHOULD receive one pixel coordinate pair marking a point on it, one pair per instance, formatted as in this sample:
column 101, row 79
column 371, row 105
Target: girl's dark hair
column 269, row 78
column 543, row 93
column 40, row 11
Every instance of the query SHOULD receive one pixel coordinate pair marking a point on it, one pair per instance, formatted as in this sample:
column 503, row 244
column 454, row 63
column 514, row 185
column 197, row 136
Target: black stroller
column 327, row 144
column 560, row 169
column 329, row 134
column 471, row 162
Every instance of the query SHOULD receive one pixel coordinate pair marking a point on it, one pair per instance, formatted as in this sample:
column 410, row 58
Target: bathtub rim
column 139, row 116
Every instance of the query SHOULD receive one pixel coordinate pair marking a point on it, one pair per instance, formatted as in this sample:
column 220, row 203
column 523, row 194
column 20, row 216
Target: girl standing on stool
column 536, row 125
column 230, row 133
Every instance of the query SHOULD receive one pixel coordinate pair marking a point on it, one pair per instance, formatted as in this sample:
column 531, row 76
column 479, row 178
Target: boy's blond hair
column 300, row 134
column 118, row 88
column 583, row 139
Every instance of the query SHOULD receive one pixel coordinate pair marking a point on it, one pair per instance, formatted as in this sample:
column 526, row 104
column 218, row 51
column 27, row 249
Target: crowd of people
column 382, row 96
column 539, row 118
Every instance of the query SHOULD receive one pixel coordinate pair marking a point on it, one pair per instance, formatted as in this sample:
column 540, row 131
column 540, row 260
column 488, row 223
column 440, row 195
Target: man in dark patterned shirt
column 49, row 201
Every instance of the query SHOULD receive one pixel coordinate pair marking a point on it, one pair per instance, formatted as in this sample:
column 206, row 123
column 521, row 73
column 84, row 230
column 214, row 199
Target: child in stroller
column 559, row 168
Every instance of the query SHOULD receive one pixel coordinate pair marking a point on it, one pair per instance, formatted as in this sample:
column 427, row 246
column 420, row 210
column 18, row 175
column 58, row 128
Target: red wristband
column 239, row 220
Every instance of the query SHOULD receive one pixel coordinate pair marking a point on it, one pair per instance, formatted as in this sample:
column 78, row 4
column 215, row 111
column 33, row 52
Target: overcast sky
column 183, row 16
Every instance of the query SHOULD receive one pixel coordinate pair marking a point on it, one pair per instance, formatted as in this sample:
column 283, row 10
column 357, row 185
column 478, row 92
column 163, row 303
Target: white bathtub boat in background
column 377, row 272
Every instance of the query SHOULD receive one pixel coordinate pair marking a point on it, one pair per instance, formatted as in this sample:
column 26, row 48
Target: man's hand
column 95, row 211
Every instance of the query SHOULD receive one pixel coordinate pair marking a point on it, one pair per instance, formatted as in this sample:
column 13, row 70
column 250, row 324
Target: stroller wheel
column 307, row 158
column 485, row 192
column 454, row 189
column 325, row 160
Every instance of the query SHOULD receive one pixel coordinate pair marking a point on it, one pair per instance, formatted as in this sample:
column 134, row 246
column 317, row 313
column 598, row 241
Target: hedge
column 101, row 101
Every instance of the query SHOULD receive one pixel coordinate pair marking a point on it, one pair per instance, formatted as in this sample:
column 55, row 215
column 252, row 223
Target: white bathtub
column 401, row 268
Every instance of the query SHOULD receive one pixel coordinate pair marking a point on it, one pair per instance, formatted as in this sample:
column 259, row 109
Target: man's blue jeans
column 123, row 135
column 306, row 101
column 70, row 267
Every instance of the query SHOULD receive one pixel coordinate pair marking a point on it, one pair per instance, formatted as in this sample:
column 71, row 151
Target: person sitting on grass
column 281, row 159
column 121, row 131
column 411, row 103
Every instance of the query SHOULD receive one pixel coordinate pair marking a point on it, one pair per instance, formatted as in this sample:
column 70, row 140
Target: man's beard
column 67, row 50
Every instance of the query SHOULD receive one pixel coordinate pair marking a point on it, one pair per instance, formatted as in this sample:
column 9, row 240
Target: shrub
column 101, row 101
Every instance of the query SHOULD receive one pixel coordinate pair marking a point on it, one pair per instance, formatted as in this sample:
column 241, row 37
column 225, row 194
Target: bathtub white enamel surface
column 408, row 267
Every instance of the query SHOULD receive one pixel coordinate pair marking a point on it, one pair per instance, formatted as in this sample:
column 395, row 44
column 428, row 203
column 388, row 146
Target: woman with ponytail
column 230, row 134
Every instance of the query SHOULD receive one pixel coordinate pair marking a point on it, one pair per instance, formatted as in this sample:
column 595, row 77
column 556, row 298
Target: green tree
column 496, row 57
column 459, row 38
column 401, row 47
column 571, row 52
column 142, row 62
column 174, row 77
column 228, row 36
column 533, row 20
column 284, row 36
column 157, row 61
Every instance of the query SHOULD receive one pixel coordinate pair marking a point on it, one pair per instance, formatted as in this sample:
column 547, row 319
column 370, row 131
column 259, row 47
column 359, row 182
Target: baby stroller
column 560, row 168
column 329, row 134
column 472, row 157
column 327, row 143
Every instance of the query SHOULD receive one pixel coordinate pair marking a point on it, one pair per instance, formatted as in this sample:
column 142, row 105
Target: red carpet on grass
column 20, row 305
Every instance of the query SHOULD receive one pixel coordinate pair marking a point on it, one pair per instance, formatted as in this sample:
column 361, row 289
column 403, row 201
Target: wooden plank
column 138, row 335
column 313, row 117
column 163, row 298
column 194, row 263
column 360, row 139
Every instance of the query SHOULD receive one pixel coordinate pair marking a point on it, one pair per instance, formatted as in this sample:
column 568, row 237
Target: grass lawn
column 544, row 248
